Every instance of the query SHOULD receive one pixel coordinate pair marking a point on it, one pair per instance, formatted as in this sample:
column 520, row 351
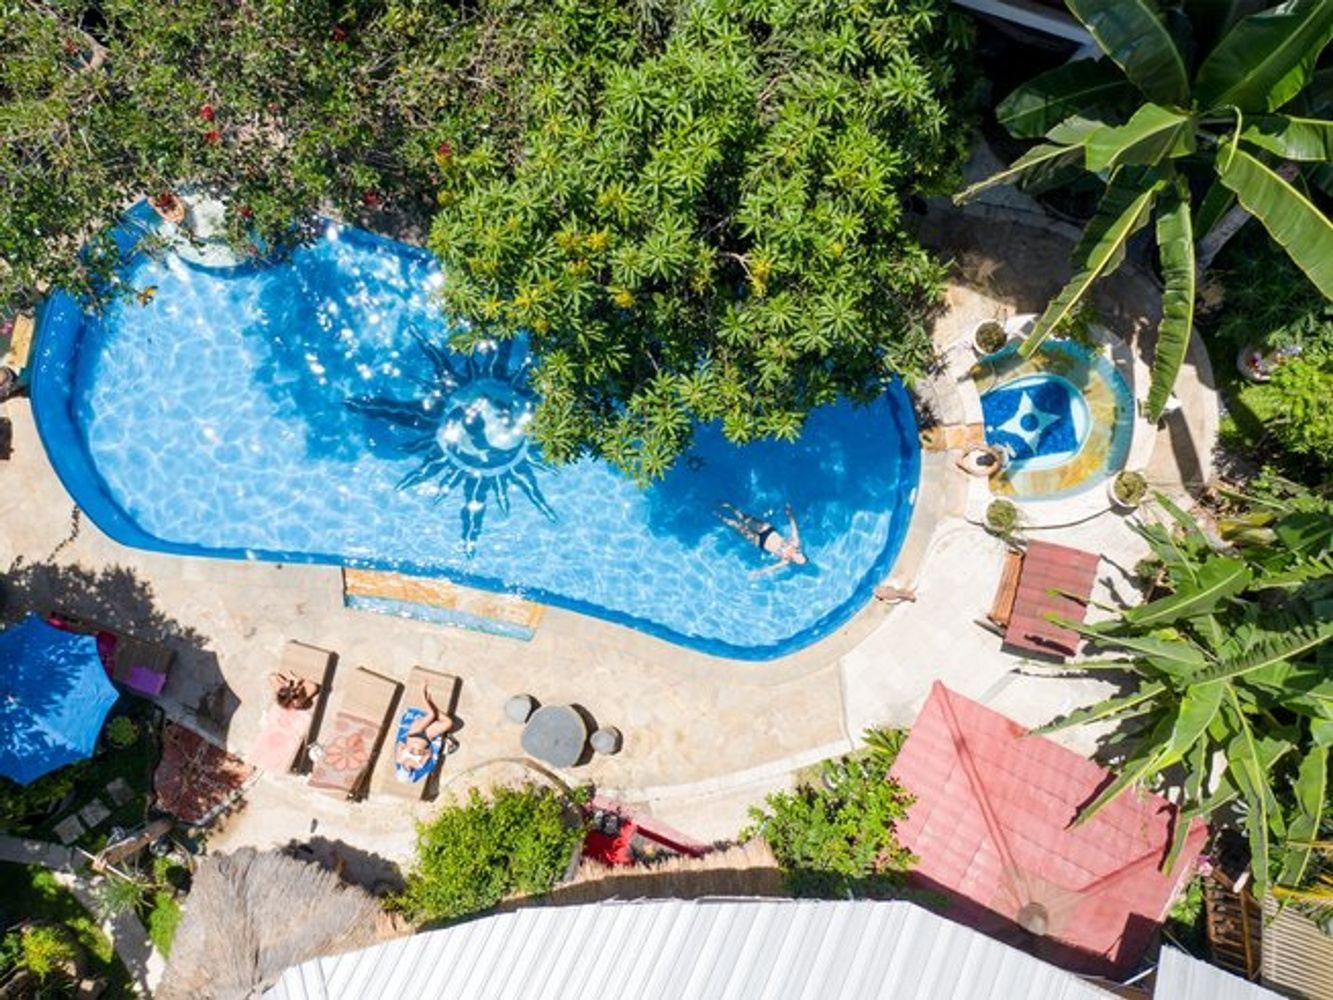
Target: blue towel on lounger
column 407, row 777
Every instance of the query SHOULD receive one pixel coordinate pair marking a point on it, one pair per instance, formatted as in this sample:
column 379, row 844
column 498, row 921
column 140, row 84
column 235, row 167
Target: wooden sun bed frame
column 444, row 691
column 368, row 697
column 1007, row 592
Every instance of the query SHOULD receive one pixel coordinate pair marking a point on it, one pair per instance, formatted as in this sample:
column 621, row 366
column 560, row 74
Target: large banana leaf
column 1266, row 59
column 1140, row 765
column 1043, row 157
column 1215, row 204
column 1123, row 211
column 1211, row 19
column 1197, row 708
column 1090, row 88
column 1311, row 793
column 1275, row 647
column 1134, row 34
column 1290, row 218
column 1316, row 99
column 1175, row 658
column 1175, row 243
column 1106, row 709
column 1309, row 139
column 1153, row 134
column 1248, row 760
column 1218, row 578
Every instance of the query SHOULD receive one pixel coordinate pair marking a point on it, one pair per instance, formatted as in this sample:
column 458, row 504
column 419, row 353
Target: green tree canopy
column 1205, row 100
column 704, row 221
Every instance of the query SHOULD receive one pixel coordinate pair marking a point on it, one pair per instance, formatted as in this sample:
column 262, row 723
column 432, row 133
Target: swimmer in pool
column 767, row 537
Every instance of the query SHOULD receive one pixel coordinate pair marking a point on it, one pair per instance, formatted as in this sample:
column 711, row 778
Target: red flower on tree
column 444, row 152
column 339, row 33
column 246, row 212
column 371, row 198
column 212, row 136
column 206, row 112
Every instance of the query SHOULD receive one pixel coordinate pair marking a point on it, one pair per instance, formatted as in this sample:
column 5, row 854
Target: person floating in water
column 767, row 537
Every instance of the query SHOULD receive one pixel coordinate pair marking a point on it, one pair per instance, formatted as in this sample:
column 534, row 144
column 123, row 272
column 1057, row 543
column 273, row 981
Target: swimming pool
column 305, row 412
column 1064, row 418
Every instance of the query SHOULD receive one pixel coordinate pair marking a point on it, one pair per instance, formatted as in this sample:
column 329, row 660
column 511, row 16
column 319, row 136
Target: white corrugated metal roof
column 1183, row 977
column 717, row 949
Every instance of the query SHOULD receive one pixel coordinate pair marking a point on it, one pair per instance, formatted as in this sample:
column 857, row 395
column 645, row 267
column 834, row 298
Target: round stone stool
column 606, row 740
column 519, row 707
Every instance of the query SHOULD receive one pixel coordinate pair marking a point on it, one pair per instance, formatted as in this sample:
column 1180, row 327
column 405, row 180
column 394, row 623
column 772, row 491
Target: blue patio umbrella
column 54, row 697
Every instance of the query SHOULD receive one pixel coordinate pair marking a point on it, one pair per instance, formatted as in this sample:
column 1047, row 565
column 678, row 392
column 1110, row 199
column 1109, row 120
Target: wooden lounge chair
column 350, row 740
column 280, row 745
column 444, row 692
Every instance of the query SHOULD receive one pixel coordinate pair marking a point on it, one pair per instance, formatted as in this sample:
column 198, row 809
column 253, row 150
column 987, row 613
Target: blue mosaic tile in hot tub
column 1040, row 416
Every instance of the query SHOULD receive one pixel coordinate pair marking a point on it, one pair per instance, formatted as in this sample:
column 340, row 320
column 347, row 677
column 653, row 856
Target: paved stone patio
column 704, row 738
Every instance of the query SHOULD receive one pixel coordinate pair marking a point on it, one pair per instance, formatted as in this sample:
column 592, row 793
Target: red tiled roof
column 991, row 826
column 1049, row 573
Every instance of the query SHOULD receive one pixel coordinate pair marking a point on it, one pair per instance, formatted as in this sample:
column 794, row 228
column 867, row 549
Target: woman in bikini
column 415, row 749
column 767, row 537
column 291, row 692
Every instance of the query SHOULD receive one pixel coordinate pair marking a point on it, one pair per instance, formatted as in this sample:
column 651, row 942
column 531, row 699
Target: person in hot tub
column 787, row 550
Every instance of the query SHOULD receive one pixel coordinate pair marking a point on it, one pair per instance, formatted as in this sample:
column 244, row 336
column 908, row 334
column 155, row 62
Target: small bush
column 162, row 920
column 836, row 837
column 45, row 949
column 121, row 732
column 1130, row 488
column 474, row 854
column 18, row 802
column 117, row 895
column 1001, row 518
column 990, row 337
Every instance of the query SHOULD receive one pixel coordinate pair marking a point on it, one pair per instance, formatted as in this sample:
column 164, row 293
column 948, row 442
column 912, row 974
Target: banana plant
column 1213, row 102
column 1230, row 685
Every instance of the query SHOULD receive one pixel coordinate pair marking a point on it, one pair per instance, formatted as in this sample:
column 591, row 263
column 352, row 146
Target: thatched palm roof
column 251, row 915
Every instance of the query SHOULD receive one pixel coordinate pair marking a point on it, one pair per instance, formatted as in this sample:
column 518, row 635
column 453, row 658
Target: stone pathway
column 19, row 851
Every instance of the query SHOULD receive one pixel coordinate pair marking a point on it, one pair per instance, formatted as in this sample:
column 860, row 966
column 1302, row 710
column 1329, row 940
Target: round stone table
column 555, row 734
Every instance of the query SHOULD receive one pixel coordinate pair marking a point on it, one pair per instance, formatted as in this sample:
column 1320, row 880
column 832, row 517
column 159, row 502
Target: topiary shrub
column 475, row 853
column 1129, row 488
column 990, row 337
column 836, row 837
column 703, row 217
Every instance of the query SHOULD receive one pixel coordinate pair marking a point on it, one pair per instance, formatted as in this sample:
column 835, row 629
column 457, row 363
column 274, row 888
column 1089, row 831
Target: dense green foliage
column 35, row 893
column 473, row 854
column 1229, row 659
column 45, row 948
column 836, row 837
column 1217, row 97
column 705, row 220
column 1270, row 306
column 693, row 208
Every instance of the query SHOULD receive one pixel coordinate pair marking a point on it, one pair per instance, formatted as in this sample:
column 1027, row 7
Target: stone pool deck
column 704, row 738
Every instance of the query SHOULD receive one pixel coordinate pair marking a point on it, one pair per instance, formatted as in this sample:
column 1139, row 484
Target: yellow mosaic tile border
column 443, row 594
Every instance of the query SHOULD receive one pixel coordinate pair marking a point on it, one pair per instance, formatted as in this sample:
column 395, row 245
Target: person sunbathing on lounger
column 767, row 537
column 295, row 693
column 418, row 748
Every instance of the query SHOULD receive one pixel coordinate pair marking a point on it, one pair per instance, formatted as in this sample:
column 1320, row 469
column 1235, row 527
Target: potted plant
column 989, row 337
column 1001, row 518
column 122, row 732
column 1127, row 489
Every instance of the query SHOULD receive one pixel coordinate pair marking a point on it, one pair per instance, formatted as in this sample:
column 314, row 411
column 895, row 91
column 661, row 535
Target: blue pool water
column 302, row 412
column 1036, row 417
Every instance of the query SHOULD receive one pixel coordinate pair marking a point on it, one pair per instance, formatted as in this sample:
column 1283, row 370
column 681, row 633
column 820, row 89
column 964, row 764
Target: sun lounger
column 1044, row 582
column 281, row 741
column 444, row 692
column 350, row 740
